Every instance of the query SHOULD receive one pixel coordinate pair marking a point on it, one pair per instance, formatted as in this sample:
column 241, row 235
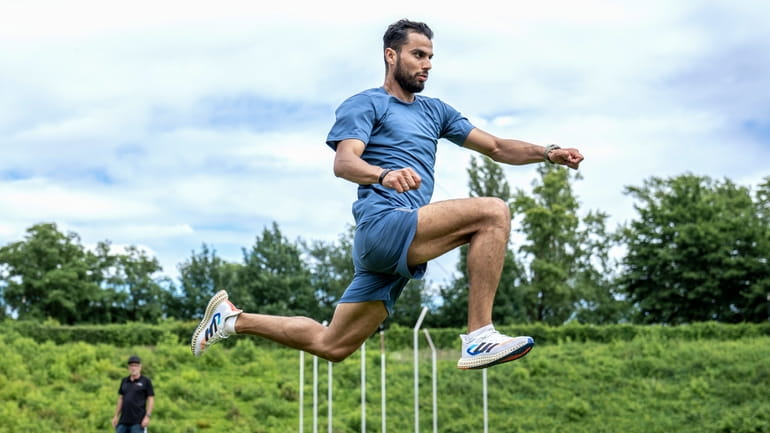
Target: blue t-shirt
column 397, row 135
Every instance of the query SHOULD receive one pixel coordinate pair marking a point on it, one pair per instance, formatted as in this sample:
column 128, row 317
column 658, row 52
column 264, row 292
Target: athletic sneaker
column 212, row 327
column 492, row 348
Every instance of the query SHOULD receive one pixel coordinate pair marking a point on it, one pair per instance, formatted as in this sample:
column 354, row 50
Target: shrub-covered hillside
column 656, row 380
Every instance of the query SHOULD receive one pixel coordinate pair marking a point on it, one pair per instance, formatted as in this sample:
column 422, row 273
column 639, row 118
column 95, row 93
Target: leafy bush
column 398, row 337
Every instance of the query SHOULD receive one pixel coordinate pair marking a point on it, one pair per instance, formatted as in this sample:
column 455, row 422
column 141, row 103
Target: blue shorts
column 380, row 246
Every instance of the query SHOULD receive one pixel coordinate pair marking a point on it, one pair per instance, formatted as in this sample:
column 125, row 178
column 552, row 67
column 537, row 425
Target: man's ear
column 390, row 56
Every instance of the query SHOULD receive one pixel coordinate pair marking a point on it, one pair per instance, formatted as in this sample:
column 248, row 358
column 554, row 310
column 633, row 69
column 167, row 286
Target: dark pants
column 129, row 428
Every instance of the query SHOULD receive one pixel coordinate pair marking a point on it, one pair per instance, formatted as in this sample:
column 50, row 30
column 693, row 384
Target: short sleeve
column 354, row 119
column 456, row 127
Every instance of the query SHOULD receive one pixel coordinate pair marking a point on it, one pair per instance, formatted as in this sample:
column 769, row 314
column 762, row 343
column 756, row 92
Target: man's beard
column 410, row 84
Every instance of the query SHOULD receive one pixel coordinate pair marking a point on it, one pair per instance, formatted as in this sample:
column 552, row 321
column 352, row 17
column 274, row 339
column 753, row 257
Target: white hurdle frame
column 329, row 397
column 484, row 391
column 315, row 394
column 433, row 379
column 301, row 391
column 383, row 404
column 363, row 387
column 417, row 370
column 382, row 381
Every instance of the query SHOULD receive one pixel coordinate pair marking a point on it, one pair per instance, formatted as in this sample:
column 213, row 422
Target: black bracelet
column 382, row 175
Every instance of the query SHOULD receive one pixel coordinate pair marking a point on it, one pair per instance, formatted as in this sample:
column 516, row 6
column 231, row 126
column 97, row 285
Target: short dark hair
column 398, row 33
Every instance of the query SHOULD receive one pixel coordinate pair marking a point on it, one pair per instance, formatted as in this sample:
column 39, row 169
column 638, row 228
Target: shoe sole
column 210, row 308
column 477, row 364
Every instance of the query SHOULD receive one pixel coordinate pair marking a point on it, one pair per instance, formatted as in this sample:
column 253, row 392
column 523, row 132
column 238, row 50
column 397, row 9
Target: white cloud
column 40, row 199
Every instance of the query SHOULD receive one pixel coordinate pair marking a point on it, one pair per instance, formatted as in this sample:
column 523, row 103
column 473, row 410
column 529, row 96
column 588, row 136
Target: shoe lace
column 221, row 334
column 218, row 335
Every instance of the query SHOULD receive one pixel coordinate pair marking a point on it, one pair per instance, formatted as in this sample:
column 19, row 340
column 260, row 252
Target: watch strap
column 548, row 150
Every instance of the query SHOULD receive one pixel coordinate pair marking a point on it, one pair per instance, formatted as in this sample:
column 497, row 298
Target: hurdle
column 383, row 386
column 417, row 369
column 433, row 379
column 382, row 380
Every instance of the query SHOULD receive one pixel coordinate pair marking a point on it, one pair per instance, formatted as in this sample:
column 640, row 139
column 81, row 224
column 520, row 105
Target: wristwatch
column 548, row 150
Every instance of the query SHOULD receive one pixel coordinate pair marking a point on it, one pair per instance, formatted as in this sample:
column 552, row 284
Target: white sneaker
column 212, row 326
column 492, row 348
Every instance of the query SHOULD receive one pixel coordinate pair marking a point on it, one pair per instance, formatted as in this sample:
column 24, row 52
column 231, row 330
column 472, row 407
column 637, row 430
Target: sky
column 169, row 124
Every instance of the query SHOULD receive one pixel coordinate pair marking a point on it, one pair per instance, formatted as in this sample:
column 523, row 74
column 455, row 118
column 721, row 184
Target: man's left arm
column 517, row 152
column 149, row 406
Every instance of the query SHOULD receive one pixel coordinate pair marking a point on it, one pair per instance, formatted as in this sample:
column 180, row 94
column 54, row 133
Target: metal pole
column 382, row 379
column 315, row 394
column 433, row 374
column 329, row 397
column 484, row 390
column 301, row 390
column 416, row 371
column 328, row 391
column 363, row 387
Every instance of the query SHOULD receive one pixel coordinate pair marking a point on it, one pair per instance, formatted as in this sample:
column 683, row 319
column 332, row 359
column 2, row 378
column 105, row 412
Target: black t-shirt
column 135, row 393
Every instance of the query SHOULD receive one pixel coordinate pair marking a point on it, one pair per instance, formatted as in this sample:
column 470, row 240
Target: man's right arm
column 349, row 165
column 118, row 408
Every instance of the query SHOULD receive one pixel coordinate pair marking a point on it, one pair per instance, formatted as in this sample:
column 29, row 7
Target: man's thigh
column 354, row 322
column 445, row 225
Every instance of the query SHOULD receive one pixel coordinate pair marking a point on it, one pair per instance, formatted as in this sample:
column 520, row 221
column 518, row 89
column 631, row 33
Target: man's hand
column 402, row 180
column 569, row 157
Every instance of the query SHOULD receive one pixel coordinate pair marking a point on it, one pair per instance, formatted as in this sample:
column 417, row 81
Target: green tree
column 48, row 275
column 698, row 251
column 550, row 224
column 331, row 269
column 200, row 276
column 762, row 198
column 596, row 282
column 569, row 270
column 109, row 304
column 137, row 275
column 274, row 278
column 409, row 305
column 3, row 307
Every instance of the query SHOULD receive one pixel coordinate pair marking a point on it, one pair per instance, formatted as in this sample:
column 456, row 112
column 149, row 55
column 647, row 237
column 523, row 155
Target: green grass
column 646, row 384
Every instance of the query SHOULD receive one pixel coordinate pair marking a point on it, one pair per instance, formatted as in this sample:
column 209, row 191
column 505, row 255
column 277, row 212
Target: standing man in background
column 136, row 400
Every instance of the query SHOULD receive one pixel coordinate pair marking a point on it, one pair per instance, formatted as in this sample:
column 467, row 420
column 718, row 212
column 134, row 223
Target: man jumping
column 385, row 141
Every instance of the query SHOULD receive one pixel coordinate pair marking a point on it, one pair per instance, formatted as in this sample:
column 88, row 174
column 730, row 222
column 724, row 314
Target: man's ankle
column 230, row 324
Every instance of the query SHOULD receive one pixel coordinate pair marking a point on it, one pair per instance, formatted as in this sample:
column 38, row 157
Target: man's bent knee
column 497, row 210
column 338, row 354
